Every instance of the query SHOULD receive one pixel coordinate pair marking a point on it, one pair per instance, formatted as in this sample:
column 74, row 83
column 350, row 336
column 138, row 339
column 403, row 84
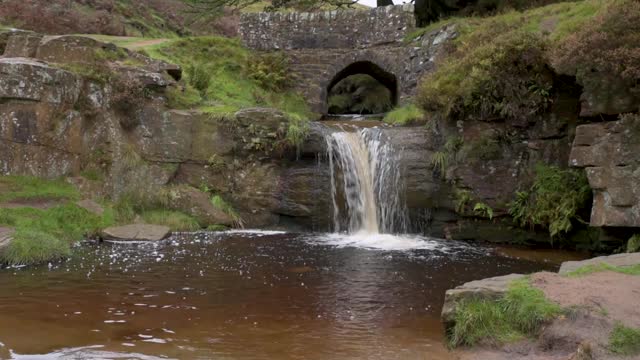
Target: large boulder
column 609, row 152
column 22, row 44
column 136, row 232
column 69, row 49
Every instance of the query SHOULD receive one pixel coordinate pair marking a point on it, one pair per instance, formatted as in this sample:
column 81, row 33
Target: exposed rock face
column 609, row 152
column 136, row 232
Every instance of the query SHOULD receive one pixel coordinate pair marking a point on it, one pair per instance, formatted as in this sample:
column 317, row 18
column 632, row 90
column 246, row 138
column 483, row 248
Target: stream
column 246, row 295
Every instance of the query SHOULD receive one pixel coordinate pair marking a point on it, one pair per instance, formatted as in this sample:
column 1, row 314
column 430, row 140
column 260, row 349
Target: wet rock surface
column 136, row 232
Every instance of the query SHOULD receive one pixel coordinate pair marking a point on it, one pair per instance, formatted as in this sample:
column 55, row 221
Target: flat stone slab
column 136, row 232
column 614, row 260
column 6, row 236
column 91, row 206
column 490, row 288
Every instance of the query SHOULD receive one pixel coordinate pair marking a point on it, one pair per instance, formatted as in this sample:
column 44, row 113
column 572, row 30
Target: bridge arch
column 369, row 65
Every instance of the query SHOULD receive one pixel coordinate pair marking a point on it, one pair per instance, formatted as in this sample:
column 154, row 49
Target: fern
column 483, row 210
column 553, row 201
column 439, row 161
column 463, row 197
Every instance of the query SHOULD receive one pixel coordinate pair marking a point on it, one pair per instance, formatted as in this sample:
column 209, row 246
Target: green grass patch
column 590, row 269
column 519, row 314
column 221, row 77
column 47, row 234
column 624, row 340
column 405, row 115
column 27, row 187
column 175, row 220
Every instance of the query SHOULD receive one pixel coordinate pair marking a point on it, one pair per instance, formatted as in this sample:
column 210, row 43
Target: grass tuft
column 27, row 187
column 624, row 340
column 520, row 313
column 590, row 269
column 33, row 246
column 175, row 220
column 406, row 115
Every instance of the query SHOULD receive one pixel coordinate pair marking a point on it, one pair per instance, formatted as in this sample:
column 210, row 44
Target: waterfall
column 366, row 186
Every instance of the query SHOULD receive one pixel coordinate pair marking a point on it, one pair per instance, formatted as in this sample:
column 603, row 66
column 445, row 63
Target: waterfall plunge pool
column 245, row 295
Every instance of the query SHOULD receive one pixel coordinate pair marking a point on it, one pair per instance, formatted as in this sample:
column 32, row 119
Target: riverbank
column 588, row 310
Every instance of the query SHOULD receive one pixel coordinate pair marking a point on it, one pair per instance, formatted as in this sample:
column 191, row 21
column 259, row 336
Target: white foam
column 256, row 232
column 387, row 242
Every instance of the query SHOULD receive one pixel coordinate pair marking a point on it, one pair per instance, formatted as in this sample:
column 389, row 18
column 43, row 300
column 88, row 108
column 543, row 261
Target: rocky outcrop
column 485, row 289
column 609, row 152
column 136, row 232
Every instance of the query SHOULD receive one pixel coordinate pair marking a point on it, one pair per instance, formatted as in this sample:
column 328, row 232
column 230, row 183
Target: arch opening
column 362, row 88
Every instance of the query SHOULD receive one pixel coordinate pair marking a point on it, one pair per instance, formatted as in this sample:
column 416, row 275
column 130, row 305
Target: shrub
column 199, row 76
column 554, row 200
column 521, row 312
column 490, row 77
column 610, row 44
column 624, row 340
column 633, row 245
column 271, row 71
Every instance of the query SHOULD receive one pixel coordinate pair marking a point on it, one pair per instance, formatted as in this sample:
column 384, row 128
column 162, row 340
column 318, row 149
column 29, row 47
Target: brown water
column 243, row 296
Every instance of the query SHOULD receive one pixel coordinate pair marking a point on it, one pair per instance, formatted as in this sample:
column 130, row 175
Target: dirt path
column 613, row 294
column 140, row 44
column 37, row 203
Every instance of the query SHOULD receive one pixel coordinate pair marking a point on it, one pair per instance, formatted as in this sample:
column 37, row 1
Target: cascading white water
column 366, row 186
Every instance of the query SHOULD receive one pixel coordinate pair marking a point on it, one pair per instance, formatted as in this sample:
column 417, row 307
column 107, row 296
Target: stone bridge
column 325, row 47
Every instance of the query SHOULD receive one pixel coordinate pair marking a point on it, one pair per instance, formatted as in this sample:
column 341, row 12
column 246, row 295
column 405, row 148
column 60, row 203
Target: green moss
column 590, row 269
column 406, row 115
column 175, row 220
column 624, row 340
column 520, row 313
column 27, row 187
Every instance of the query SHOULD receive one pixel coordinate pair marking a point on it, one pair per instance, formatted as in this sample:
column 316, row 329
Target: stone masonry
column 326, row 47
